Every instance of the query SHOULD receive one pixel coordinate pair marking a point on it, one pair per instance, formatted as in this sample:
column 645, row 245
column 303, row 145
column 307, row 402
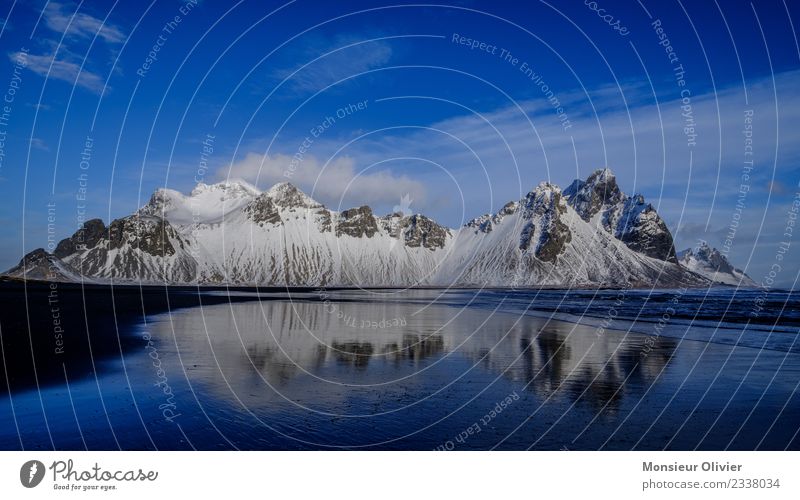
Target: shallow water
column 428, row 369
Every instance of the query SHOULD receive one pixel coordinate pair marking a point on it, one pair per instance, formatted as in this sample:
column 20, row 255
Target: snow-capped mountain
column 231, row 232
column 710, row 262
column 543, row 240
column 599, row 201
column 40, row 265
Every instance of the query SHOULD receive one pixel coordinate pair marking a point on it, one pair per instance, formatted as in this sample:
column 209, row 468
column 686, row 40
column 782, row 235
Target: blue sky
column 459, row 130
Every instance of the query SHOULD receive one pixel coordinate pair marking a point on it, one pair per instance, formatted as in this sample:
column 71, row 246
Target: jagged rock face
column 712, row 264
column 546, row 205
column 137, row 247
column 391, row 223
column 40, row 265
column 638, row 225
column 263, row 210
column 573, row 188
column 599, row 191
column 486, row 222
column 482, row 223
column 545, row 241
column 148, row 234
column 553, row 241
column 160, row 202
column 286, row 195
column 526, row 236
column 324, row 220
column 711, row 255
column 420, row 231
column 35, row 264
column 545, row 199
column 508, row 209
column 88, row 236
column 357, row 222
column 630, row 220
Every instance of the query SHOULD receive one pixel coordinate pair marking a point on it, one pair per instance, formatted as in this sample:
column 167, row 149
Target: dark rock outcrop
column 573, row 188
column 420, row 231
column 546, row 205
column 712, row 256
column 357, row 222
column 598, row 191
column 88, row 236
column 526, row 236
column 40, row 265
column 324, row 220
column 148, row 234
column 286, row 195
column 262, row 211
column 638, row 225
column 714, row 265
column 629, row 219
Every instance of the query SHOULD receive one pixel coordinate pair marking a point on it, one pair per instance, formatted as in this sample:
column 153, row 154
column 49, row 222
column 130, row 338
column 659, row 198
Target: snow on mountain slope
column 709, row 262
column 40, row 265
column 285, row 237
column 206, row 203
column 138, row 247
column 544, row 241
column 599, row 201
column 232, row 233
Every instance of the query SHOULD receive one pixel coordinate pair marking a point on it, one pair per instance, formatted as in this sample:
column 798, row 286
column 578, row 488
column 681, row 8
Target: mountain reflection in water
column 257, row 352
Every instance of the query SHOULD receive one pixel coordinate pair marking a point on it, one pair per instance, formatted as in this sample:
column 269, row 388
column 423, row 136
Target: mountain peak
column 282, row 187
column 598, row 192
column 602, row 174
column 287, row 195
column 546, row 186
column 205, row 203
column 543, row 196
column 40, row 265
column 711, row 263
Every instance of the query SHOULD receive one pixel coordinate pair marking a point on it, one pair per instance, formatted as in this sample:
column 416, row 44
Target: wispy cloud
column 46, row 66
column 59, row 18
column 343, row 56
column 38, row 143
column 60, row 61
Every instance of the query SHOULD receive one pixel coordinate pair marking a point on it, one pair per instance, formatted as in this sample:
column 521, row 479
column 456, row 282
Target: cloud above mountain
column 336, row 182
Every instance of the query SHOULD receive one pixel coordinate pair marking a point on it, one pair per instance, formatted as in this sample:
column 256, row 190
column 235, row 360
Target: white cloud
column 346, row 55
column 60, row 61
column 40, row 144
column 338, row 184
column 79, row 24
column 46, row 66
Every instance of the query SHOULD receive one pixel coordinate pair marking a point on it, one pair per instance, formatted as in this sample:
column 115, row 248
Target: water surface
column 430, row 369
